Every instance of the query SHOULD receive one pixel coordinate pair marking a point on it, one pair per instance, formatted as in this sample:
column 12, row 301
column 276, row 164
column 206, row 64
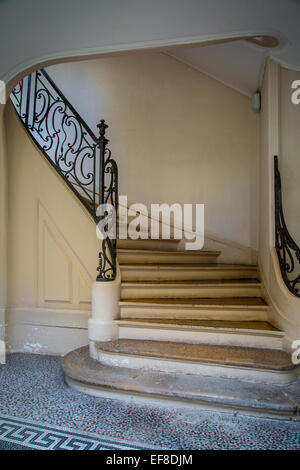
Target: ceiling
column 238, row 64
column 35, row 33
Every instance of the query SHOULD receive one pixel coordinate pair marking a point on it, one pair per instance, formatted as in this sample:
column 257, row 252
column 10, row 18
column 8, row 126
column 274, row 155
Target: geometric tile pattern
column 33, row 393
column 40, row 437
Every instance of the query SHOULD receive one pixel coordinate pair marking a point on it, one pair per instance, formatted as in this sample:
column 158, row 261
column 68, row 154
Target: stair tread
column 193, row 282
column 195, row 266
column 211, row 391
column 145, row 240
column 182, row 252
column 216, row 324
column 236, row 356
column 203, row 301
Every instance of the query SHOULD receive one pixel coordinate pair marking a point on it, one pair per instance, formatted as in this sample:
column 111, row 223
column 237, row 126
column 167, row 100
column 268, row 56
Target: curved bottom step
column 89, row 376
column 243, row 363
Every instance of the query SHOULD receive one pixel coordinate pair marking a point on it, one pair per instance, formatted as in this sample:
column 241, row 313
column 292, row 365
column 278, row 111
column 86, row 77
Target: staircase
column 187, row 297
column 186, row 324
column 181, row 301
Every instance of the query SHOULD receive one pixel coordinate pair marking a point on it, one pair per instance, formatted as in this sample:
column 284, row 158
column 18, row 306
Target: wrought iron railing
column 82, row 159
column 287, row 249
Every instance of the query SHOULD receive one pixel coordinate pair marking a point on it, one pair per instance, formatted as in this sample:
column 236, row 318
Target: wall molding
column 71, row 272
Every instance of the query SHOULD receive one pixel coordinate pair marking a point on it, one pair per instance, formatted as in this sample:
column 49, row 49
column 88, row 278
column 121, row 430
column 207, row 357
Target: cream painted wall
column 52, row 252
column 177, row 134
column 289, row 158
column 3, row 231
column 284, row 308
column 269, row 146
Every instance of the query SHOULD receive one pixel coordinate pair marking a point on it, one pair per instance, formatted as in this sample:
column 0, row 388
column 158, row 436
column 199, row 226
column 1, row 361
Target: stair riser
column 166, row 258
column 198, row 336
column 159, row 291
column 179, row 274
column 199, row 369
column 138, row 311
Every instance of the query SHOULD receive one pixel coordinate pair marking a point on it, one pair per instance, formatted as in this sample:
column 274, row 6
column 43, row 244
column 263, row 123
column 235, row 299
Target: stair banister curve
column 81, row 159
column 288, row 252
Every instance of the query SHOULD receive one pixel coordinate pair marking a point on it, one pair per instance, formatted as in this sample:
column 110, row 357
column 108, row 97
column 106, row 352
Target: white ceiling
column 35, row 33
column 238, row 64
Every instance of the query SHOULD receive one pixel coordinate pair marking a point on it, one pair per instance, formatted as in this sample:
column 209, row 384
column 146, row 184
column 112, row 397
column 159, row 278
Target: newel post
column 102, row 325
column 102, row 143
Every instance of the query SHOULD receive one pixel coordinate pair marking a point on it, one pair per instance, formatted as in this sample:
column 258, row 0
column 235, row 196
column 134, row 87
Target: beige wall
column 284, row 308
column 52, row 252
column 177, row 134
column 269, row 146
column 3, row 226
column 290, row 153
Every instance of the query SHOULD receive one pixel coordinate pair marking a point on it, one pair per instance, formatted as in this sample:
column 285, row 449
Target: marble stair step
column 189, row 289
column 256, row 334
column 217, row 308
column 129, row 256
column 89, row 376
column 226, row 355
column 185, row 272
column 197, row 359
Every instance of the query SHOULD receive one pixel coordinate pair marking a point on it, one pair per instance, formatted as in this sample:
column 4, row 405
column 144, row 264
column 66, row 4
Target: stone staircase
column 184, row 319
column 186, row 296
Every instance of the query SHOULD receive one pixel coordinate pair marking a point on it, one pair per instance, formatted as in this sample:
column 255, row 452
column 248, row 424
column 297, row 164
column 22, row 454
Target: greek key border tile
column 47, row 437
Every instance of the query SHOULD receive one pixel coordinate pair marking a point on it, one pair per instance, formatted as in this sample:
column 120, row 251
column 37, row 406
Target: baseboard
column 2, row 335
column 46, row 331
column 2, row 352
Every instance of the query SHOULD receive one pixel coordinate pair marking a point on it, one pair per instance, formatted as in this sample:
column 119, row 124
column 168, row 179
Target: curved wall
column 289, row 158
column 284, row 310
column 177, row 135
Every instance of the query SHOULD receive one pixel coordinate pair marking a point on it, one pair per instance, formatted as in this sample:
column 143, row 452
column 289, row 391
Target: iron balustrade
column 83, row 160
column 287, row 249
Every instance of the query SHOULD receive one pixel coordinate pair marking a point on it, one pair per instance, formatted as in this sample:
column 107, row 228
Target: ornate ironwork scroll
column 109, row 198
column 81, row 159
column 287, row 250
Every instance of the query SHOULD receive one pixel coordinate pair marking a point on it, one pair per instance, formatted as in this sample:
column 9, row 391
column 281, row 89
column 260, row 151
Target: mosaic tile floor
column 20, row 434
column 32, row 388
